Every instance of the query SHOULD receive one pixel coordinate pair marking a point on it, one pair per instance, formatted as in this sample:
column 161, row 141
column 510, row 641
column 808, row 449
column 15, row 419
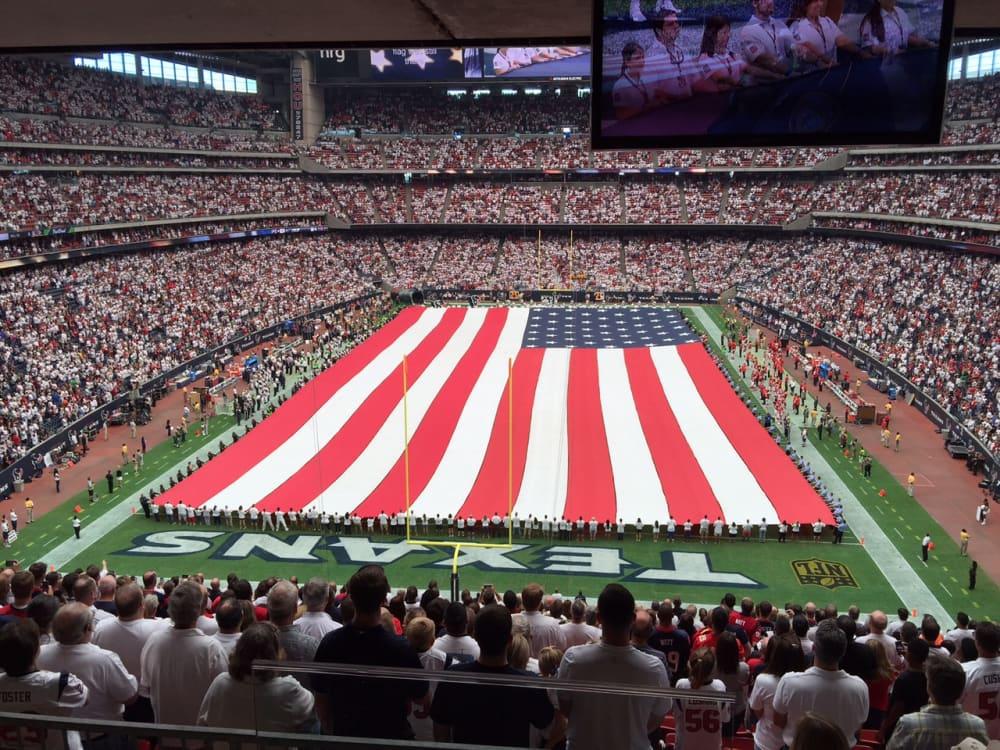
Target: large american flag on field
column 617, row 413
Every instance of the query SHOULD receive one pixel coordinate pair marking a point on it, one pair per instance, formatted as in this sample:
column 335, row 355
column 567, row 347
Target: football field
column 885, row 571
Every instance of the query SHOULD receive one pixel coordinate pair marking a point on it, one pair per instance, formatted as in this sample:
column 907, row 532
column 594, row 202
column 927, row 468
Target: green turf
column 54, row 527
column 903, row 518
column 770, row 564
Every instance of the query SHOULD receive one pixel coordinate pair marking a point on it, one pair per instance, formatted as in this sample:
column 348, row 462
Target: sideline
column 93, row 533
column 886, row 556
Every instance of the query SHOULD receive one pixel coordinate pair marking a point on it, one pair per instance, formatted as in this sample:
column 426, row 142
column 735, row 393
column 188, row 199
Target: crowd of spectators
column 125, row 158
column 73, row 333
column 938, row 231
column 34, row 200
column 929, row 314
column 937, row 158
column 657, row 265
column 524, row 263
column 44, row 87
column 80, row 133
column 466, row 262
column 62, row 242
column 593, row 204
column 473, row 204
column 974, row 99
column 428, row 202
column 653, row 203
column 391, row 203
column 181, row 651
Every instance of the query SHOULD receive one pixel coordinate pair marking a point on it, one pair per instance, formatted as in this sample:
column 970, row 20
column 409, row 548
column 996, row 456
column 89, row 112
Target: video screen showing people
column 770, row 70
column 535, row 62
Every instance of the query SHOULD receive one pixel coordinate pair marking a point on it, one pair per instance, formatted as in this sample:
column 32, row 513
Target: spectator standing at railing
column 605, row 720
column 372, row 708
column 27, row 689
column 179, row 663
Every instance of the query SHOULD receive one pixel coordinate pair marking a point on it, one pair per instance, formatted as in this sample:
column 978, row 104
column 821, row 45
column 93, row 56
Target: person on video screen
column 817, row 38
column 671, row 74
column 886, row 30
column 721, row 69
column 509, row 58
column 765, row 43
column 630, row 95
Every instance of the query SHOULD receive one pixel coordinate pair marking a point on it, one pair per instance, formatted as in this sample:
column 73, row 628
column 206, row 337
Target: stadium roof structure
column 65, row 24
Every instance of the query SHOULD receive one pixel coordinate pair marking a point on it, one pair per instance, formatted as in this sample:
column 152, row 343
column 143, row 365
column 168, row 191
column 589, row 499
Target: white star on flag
column 379, row 61
column 419, row 57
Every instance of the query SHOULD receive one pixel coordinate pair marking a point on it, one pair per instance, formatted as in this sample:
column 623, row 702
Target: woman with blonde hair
column 519, row 654
column 879, row 685
column 549, row 659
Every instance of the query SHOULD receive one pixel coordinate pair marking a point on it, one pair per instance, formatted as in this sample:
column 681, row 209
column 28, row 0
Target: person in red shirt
column 745, row 619
column 706, row 637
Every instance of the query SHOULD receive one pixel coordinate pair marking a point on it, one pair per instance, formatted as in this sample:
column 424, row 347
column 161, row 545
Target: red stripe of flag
column 429, row 442
column 590, row 490
column 284, row 422
column 688, row 493
column 344, row 448
column 489, row 493
column 791, row 495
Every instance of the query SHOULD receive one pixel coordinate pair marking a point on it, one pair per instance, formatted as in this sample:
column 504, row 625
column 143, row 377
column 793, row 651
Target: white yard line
column 889, row 560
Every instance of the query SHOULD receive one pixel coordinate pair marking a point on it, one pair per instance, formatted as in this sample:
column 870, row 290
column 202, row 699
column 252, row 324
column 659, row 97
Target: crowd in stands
column 655, row 265
column 597, row 204
column 974, row 99
column 938, row 231
column 86, row 158
column 928, row 158
column 79, row 133
column 43, row 87
column 72, row 333
column 431, row 111
column 35, row 200
column 472, row 204
column 929, row 314
column 181, row 651
column 62, row 242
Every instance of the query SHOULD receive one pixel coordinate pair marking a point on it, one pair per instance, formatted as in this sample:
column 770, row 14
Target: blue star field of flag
column 605, row 328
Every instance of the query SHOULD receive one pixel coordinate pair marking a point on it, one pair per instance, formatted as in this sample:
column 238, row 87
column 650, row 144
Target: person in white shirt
column 783, row 656
column 540, row 630
column 578, row 632
column 267, row 520
column 721, row 69
column 254, row 516
column 179, row 663
column 228, row 618
column 109, row 684
column 630, row 95
column 700, row 720
column 886, row 30
column 456, row 643
column 85, row 592
column 982, row 679
column 281, row 703
column 670, row 74
column 507, row 59
column 766, row 44
column 824, row 689
column 877, row 623
column 315, row 621
column 24, row 688
column 126, row 635
column 903, row 615
column 602, row 721
column 817, row 38
column 961, row 631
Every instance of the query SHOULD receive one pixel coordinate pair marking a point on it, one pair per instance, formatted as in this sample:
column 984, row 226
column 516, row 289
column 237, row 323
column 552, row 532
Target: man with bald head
column 877, row 623
column 85, row 592
column 109, row 684
column 126, row 635
column 179, row 663
column 282, row 603
column 643, row 627
column 106, row 587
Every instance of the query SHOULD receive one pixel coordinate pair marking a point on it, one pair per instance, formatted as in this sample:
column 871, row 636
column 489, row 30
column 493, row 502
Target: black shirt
column 910, row 689
column 859, row 660
column 369, row 707
column 491, row 714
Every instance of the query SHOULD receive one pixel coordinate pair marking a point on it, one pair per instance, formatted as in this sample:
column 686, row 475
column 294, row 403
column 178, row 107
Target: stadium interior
column 320, row 359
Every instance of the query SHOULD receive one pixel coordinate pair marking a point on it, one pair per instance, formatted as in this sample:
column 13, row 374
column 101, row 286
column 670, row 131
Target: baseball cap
column 665, row 7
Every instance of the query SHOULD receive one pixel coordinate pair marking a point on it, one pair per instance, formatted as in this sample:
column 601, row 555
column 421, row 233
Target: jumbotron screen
column 670, row 73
